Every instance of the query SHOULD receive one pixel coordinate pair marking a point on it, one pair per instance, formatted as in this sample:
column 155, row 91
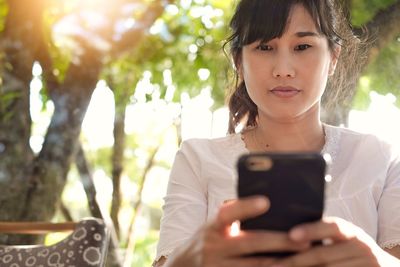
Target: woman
column 284, row 52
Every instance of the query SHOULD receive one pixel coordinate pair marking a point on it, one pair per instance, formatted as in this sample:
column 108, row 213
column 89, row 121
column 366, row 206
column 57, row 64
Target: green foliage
column 362, row 99
column 100, row 158
column 363, row 10
column 3, row 14
column 384, row 72
column 134, row 169
column 122, row 76
column 61, row 56
column 186, row 42
column 6, row 99
column 381, row 76
column 139, row 147
column 145, row 250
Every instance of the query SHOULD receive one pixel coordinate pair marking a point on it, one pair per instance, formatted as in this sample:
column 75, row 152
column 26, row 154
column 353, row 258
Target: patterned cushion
column 86, row 246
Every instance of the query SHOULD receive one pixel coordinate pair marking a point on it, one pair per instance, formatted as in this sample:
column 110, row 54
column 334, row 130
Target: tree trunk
column 48, row 172
column 18, row 44
column 381, row 30
column 31, row 185
column 51, row 167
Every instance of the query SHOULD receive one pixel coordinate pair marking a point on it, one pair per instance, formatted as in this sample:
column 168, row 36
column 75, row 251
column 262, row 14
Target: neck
column 305, row 133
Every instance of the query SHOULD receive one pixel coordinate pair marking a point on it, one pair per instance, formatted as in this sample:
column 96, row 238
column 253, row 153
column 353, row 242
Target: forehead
column 264, row 20
column 299, row 20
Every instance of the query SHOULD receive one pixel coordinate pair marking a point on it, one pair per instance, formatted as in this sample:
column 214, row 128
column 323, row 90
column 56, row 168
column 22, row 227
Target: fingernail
column 261, row 203
column 297, row 234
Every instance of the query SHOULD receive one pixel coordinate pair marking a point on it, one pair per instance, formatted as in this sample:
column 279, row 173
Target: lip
column 285, row 91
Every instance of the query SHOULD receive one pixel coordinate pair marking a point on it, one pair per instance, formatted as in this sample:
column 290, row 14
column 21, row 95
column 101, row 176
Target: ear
column 334, row 59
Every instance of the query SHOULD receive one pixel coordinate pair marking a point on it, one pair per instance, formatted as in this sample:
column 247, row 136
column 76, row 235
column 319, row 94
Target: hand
column 346, row 245
column 214, row 246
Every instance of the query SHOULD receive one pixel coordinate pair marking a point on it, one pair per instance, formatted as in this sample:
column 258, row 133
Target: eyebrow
column 305, row 34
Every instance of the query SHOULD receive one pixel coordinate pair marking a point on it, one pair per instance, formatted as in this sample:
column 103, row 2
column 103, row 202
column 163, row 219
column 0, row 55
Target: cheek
column 254, row 72
column 256, row 82
column 317, row 70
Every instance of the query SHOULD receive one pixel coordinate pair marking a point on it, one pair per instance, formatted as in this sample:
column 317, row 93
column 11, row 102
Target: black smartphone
column 293, row 182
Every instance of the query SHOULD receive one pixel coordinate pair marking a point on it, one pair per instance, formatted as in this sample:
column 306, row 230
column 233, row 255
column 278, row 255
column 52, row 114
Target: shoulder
column 222, row 151
column 349, row 133
column 353, row 141
column 211, row 145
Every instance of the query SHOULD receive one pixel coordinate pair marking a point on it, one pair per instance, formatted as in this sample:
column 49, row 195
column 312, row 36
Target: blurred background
column 97, row 95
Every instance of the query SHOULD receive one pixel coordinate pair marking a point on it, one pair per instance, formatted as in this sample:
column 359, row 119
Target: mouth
column 285, row 91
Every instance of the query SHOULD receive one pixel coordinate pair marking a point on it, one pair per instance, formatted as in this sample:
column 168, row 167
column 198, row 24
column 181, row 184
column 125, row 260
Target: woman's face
column 286, row 76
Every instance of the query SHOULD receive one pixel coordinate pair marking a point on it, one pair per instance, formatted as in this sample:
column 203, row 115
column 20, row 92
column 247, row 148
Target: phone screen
column 294, row 183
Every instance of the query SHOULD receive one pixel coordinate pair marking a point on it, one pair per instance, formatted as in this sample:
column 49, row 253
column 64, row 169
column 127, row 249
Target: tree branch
column 65, row 212
column 45, row 60
column 87, row 182
column 382, row 29
column 95, row 209
column 132, row 37
column 131, row 232
column 117, row 161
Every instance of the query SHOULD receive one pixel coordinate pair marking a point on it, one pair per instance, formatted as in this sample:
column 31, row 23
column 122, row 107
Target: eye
column 264, row 47
column 302, row 47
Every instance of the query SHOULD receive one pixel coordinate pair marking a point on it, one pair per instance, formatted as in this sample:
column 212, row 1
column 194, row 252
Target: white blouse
column 365, row 186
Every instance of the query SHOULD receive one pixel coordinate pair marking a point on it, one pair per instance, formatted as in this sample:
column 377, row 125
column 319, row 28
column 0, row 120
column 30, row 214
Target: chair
column 86, row 246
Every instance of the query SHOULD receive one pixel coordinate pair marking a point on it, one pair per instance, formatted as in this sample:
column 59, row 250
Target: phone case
column 294, row 184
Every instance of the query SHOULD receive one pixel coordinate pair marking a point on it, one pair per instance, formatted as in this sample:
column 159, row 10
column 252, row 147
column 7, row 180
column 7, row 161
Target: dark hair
column 265, row 20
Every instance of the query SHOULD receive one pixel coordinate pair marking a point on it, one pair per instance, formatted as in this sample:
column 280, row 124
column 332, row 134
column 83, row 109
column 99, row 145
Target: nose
column 283, row 67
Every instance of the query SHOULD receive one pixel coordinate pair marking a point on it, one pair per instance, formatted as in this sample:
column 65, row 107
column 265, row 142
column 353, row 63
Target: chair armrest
column 36, row 228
